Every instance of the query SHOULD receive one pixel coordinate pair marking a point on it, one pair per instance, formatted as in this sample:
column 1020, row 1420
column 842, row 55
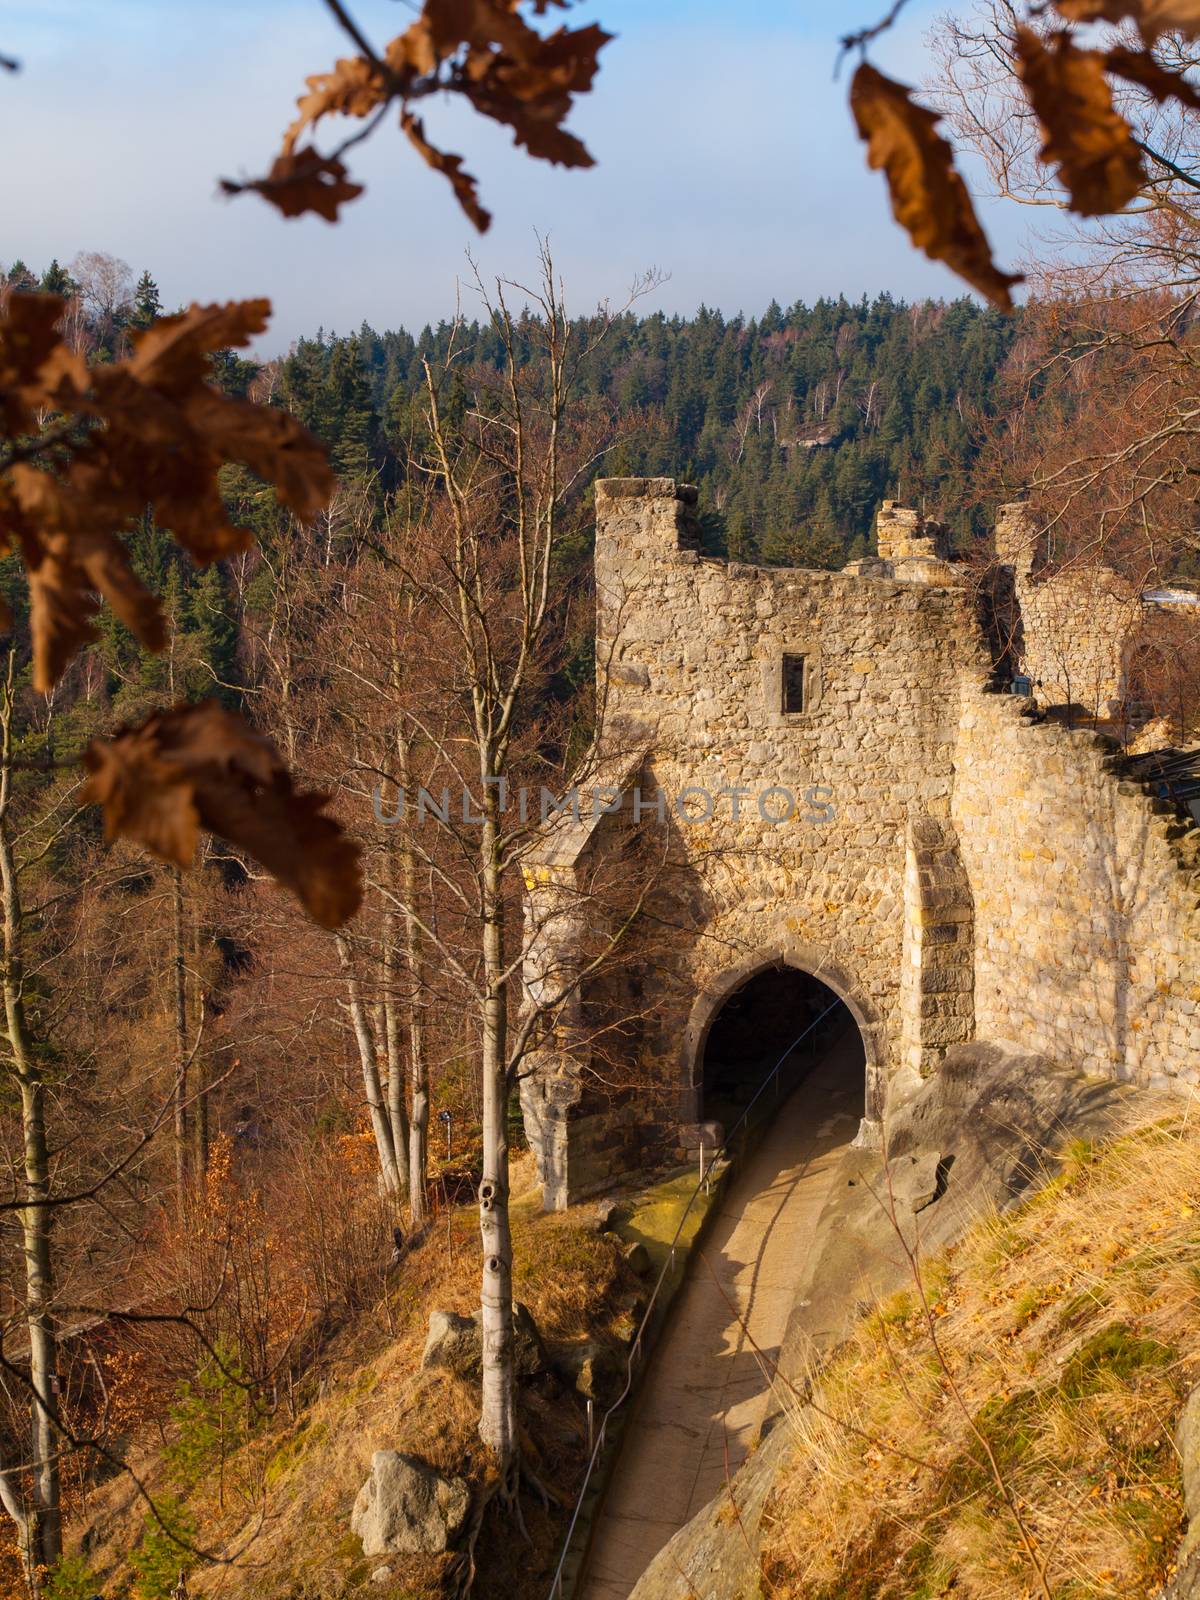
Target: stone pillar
column 937, row 979
column 640, row 523
column 903, row 534
column 1016, row 538
column 579, row 1126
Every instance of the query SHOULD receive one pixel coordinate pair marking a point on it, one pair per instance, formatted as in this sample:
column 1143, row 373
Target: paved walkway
column 706, row 1393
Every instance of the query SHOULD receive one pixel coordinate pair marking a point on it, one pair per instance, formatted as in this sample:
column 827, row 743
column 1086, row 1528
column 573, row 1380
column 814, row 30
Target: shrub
column 72, row 1579
column 160, row 1558
column 213, row 1417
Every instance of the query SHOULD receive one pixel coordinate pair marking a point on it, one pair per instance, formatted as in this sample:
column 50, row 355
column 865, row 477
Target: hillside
column 272, row 1493
column 794, row 424
column 1007, row 1426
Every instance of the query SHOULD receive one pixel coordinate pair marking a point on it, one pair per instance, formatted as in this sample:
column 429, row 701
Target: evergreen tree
column 19, row 276
column 57, row 280
column 147, row 304
column 209, row 620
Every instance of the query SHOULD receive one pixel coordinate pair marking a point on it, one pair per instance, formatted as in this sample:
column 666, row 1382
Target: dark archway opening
column 782, row 1015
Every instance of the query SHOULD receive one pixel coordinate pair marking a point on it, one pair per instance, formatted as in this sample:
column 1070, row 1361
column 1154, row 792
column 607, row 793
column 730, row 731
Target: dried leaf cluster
column 483, row 50
column 1085, row 137
column 199, row 767
column 84, row 451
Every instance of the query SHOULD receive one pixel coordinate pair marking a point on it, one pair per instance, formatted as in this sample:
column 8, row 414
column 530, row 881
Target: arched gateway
column 768, row 731
column 754, row 1012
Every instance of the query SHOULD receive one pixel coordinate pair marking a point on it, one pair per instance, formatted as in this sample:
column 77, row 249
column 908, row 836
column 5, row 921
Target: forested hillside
column 275, row 1111
column 357, row 1085
column 794, row 425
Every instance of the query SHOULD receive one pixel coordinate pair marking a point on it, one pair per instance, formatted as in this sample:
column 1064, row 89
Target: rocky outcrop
column 408, row 1508
column 455, row 1343
column 1185, row 1585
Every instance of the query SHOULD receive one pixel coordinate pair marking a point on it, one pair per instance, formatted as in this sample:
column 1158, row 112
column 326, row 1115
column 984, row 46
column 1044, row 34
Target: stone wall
column 1075, row 625
column 952, row 870
column 785, row 830
column 937, row 969
column 902, row 533
column 1067, row 627
column 1086, row 928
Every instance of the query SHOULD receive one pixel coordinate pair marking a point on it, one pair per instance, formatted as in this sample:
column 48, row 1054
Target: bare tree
column 508, row 475
column 41, row 1529
column 105, row 285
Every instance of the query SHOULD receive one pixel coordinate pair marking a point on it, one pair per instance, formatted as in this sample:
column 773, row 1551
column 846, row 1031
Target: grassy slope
column 287, row 1495
column 1006, row 1429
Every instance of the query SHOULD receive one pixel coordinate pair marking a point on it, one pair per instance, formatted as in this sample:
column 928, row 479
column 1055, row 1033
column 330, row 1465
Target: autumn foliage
column 87, row 450
column 929, row 197
column 1085, row 138
column 481, row 50
column 201, row 766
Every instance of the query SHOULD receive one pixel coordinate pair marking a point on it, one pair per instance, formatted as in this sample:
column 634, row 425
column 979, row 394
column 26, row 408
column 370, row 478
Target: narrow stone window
column 795, row 681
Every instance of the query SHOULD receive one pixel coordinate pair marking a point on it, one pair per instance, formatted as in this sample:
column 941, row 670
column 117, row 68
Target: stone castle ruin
column 1080, row 633
column 853, row 807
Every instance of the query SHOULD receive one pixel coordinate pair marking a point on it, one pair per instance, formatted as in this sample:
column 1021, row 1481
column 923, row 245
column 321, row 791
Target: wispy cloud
column 725, row 158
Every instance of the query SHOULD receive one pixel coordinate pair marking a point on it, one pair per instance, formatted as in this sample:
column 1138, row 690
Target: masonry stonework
column 1069, row 626
column 838, row 787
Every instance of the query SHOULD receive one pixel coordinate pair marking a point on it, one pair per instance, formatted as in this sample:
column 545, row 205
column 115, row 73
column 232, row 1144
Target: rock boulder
column 407, row 1508
column 455, row 1343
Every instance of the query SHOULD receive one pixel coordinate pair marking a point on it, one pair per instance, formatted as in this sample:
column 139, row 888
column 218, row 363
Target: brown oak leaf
column 301, row 181
column 530, row 88
column 463, row 183
column 200, row 766
column 172, row 355
column 29, row 338
column 272, row 443
column 72, row 559
column 1153, row 17
column 148, row 431
column 1141, row 68
column 353, row 89
column 1085, row 137
column 483, row 50
column 929, row 197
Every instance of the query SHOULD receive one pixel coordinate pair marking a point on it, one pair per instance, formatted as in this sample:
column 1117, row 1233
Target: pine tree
column 57, row 280
column 19, row 276
column 209, row 621
column 147, row 303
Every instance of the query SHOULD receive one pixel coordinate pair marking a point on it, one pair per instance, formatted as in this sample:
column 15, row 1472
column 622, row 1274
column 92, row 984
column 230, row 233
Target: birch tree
column 508, row 464
column 40, row 1528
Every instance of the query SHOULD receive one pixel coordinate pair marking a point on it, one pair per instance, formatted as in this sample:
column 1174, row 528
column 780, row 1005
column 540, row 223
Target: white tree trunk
column 418, row 1065
column 380, row 1122
column 397, row 1107
column 179, row 984
column 42, row 1533
column 498, row 1414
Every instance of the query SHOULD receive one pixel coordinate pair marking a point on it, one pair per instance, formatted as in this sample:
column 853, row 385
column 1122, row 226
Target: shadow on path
column 705, row 1392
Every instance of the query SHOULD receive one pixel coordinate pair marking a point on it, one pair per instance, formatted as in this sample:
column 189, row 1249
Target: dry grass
column 1007, row 1430
column 294, row 1485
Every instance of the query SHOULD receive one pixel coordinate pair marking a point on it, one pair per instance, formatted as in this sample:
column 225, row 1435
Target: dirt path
column 705, row 1392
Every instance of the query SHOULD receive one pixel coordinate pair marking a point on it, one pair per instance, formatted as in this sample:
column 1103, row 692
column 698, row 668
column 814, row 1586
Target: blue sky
column 725, row 158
